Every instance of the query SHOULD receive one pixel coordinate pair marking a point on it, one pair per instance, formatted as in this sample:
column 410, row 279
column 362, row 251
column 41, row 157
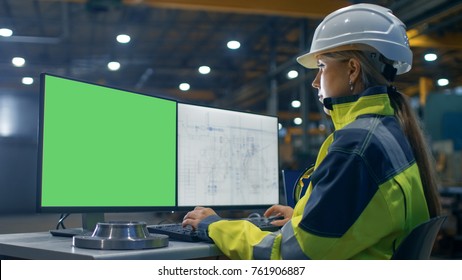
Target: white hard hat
column 362, row 25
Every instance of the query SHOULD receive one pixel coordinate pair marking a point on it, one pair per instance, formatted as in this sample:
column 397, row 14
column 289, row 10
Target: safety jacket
column 365, row 193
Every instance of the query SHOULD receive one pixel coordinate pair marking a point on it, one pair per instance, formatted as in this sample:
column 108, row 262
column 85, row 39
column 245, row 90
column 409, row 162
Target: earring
column 351, row 86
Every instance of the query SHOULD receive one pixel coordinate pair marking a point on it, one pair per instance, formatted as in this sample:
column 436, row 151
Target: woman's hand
column 279, row 210
column 193, row 218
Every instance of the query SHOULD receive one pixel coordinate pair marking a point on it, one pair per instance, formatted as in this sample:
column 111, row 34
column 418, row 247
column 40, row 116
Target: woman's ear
column 354, row 70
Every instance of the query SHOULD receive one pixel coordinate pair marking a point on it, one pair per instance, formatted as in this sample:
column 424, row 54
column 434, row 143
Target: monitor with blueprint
column 226, row 158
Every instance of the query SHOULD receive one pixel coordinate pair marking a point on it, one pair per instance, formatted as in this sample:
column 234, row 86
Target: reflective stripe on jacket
column 364, row 197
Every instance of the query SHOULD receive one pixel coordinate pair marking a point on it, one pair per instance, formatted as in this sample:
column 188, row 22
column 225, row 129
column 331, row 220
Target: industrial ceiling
column 171, row 39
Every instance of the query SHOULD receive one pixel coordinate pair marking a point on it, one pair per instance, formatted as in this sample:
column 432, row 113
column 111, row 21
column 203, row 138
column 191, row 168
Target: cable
column 61, row 221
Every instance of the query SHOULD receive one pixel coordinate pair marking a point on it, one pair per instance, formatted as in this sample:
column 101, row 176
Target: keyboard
column 177, row 232
column 265, row 223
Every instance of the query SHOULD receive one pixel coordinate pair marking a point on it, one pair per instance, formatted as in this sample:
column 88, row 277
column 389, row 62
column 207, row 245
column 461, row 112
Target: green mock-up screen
column 104, row 147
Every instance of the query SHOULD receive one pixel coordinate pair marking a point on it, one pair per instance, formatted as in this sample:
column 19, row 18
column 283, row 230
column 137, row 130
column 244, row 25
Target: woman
column 373, row 181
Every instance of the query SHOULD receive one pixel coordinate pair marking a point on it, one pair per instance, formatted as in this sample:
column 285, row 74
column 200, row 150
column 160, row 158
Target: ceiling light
column 204, row 70
column 292, row 74
column 113, row 65
column 430, row 57
column 123, row 38
column 443, row 82
column 298, row 121
column 296, row 103
column 27, row 81
column 233, row 45
column 5, row 32
column 184, row 86
column 279, row 126
column 18, row 61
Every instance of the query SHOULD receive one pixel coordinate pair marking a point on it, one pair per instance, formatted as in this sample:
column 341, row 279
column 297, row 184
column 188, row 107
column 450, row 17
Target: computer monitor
column 103, row 149
column 226, row 159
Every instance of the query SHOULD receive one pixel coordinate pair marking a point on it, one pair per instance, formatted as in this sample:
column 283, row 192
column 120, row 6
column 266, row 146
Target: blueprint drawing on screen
column 226, row 157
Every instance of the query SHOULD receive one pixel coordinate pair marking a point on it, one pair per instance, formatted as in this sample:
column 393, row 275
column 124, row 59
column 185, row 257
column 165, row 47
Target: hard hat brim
column 310, row 60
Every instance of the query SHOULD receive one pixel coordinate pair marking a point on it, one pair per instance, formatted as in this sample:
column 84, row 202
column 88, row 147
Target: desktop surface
column 42, row 245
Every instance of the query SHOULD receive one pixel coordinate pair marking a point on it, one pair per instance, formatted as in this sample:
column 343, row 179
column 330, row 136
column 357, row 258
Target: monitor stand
column 89, row 222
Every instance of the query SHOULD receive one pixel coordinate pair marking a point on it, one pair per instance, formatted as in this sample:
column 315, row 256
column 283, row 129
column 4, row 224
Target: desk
column 42, row 245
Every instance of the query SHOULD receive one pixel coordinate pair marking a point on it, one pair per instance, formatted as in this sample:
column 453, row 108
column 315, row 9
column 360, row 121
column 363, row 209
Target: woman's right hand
column 278, row 211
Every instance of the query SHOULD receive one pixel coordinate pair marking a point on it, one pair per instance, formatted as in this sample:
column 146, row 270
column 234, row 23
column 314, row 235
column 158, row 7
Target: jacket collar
column 345, row 110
